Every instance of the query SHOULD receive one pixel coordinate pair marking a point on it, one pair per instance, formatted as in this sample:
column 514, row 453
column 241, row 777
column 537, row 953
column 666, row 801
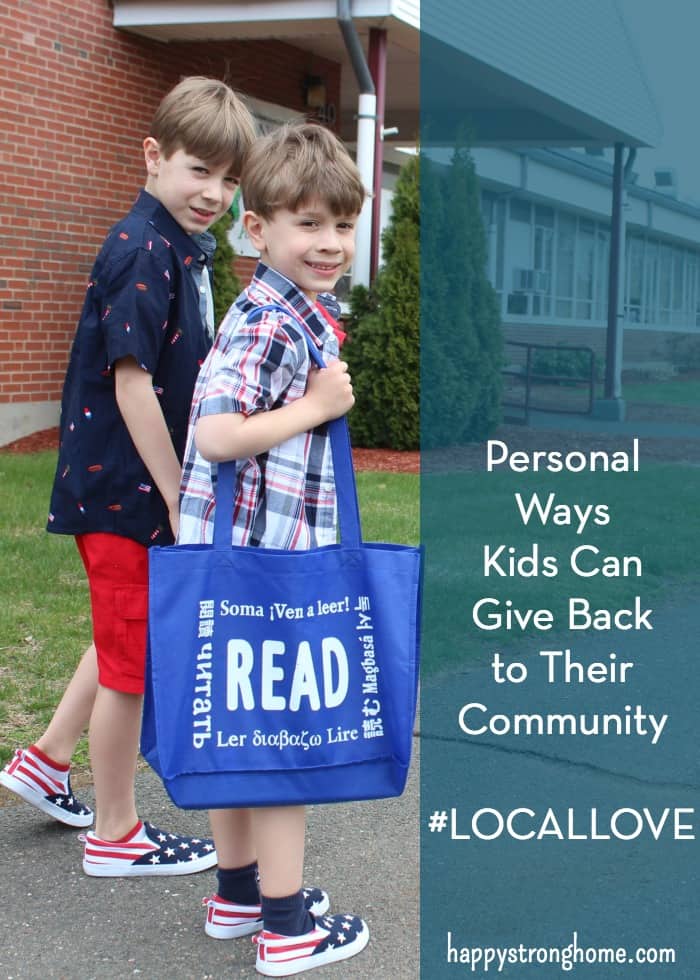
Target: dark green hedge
column 425, row 344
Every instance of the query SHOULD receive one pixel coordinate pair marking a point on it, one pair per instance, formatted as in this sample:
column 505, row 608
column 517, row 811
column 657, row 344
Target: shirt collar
column 166, row 226
column 270, row 286
column 206, row 243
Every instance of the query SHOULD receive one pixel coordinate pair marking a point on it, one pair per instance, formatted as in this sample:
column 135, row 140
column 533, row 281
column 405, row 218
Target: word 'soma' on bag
column 297, row 664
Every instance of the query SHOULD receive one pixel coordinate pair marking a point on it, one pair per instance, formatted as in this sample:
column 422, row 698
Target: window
column 553, row 264
column 543, row 252
column 665, row 272
column 585, row 269
column 566, row 247
column 635, row 268
column 519, row 246
column 678, row 317
column 602, row 257
column 651, row 288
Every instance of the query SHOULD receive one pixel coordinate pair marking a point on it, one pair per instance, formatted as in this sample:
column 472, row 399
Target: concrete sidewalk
column 55, row 922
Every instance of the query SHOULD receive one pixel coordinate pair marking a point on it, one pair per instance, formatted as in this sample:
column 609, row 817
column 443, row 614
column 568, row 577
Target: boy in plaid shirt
column 259, row 401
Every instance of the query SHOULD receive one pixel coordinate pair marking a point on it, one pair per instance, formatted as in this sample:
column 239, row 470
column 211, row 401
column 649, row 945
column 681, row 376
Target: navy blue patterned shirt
column 142, row 301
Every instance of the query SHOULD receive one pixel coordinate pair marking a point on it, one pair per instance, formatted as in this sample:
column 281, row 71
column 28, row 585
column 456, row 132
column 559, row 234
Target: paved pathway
column 55, row 922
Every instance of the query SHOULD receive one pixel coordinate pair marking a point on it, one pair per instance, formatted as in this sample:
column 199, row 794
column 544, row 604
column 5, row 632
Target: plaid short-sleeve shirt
column 284, row 498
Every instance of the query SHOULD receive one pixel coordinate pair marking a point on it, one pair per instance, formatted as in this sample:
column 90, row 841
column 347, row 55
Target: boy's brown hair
column 298, row 163
column 205, row 118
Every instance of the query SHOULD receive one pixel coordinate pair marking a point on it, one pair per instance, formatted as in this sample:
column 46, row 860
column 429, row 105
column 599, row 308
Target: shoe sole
column 95, row 870
column 248, row 928
column 41, row 803
column 288, row 969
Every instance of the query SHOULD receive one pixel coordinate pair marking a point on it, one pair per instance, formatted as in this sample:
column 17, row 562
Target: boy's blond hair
column 296, row 164
column 206, row 119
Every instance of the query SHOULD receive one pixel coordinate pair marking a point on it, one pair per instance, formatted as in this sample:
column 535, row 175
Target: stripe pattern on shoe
column 334, row 938
column 148, row 851
column 32, row 777
column 227, row 920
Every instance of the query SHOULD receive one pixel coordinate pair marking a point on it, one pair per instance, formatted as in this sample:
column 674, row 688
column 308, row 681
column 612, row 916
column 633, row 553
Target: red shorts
column 117, row 571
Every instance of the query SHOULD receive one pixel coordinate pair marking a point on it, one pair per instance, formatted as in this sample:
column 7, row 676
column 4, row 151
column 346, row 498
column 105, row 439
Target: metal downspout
column 366, row 128
column 377, row 62
column 612, row 405
column 354, row 48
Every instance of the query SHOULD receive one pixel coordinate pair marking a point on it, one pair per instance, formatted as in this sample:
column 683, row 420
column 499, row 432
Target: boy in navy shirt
column 145, row 329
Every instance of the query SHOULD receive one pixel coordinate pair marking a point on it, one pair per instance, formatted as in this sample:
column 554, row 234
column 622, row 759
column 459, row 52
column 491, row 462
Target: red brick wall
column 76, row 98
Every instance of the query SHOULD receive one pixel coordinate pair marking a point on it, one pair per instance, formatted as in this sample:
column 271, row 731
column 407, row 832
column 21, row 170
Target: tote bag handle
column 343, row 472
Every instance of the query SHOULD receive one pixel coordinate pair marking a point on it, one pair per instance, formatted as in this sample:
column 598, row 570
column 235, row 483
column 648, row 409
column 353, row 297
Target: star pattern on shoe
column 68, row 803
column 333, row 938
column 341, row 929
column 162, row 852
column 147, row 850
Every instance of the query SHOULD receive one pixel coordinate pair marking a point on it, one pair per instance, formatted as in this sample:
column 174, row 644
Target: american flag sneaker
column 37, row 779
column 334, row 938
column 148, row 851
column 227, row 920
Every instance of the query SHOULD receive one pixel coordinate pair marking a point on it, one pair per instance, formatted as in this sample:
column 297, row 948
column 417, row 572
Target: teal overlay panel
column 560, row 780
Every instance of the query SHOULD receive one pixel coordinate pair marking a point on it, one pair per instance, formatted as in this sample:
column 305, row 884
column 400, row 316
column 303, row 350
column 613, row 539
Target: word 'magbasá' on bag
column 281, row 677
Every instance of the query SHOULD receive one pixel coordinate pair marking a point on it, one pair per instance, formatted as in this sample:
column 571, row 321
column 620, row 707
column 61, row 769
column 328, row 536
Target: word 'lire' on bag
column 282, row 677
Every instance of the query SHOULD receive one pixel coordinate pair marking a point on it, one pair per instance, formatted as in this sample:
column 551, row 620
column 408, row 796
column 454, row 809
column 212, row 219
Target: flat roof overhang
column 501, row 110
column 499, row 107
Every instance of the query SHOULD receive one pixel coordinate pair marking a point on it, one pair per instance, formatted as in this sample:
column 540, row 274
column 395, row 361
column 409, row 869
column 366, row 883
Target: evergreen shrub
column 383, row 345
column 425, row 348
column 227, row 285
column 461, row 340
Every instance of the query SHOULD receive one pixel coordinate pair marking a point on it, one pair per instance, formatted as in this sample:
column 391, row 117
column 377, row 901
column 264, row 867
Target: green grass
column 389, row 507
column 45, row 614
column 675, row 392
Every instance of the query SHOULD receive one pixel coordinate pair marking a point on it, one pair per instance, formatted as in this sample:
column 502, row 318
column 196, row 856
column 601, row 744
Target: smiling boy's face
column 310, row 246
column 195, row 192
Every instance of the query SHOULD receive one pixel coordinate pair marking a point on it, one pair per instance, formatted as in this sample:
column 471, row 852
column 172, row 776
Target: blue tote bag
column 282, row 677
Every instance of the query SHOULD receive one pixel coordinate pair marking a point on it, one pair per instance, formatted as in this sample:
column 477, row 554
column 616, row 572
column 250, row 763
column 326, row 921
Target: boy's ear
column 254, row 226
column 152, row 155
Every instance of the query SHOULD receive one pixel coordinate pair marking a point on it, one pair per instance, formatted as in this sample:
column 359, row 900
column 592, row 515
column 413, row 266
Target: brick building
column 77, row 94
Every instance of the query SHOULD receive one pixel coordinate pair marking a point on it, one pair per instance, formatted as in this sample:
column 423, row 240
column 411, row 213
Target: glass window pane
column 517, row 304
column 544, row 216
column 585, row 258
column 635, row 266
column 519, row 210
column 665, row 277
column 566, row 232
column 650, row 312
column 678, row 266
column 602, row 272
